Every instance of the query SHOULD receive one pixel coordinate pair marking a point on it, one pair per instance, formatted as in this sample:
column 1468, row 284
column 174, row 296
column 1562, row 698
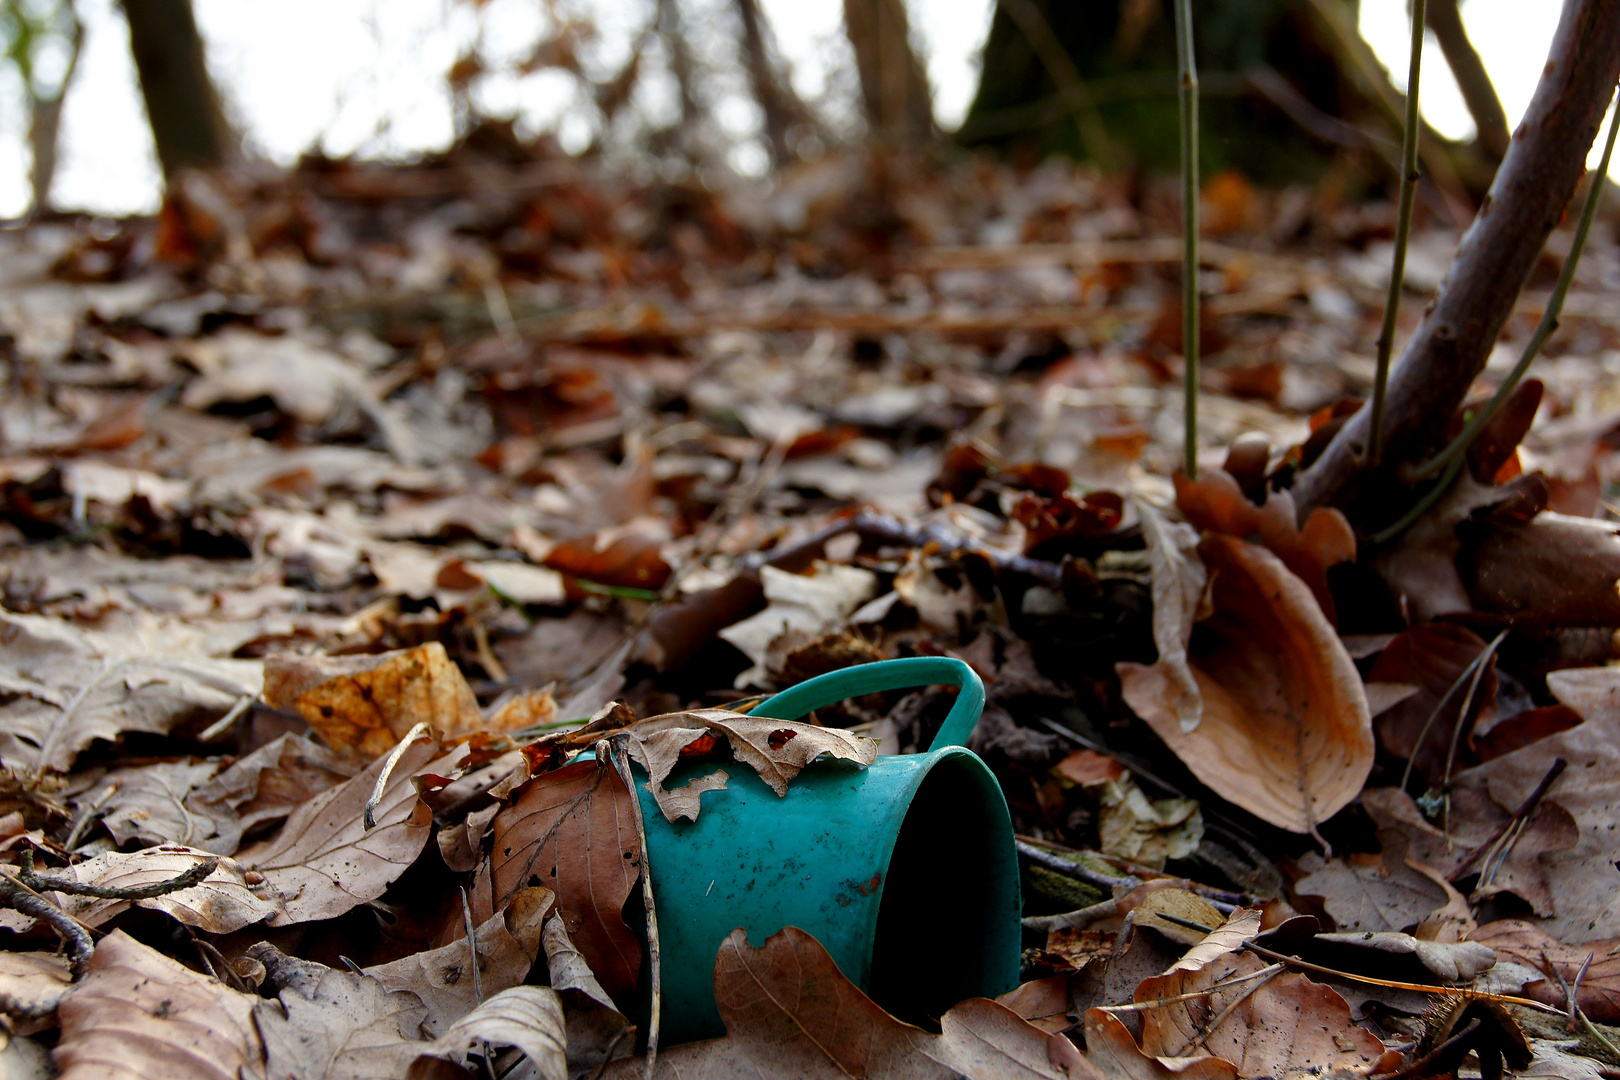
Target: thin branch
column 1187, row 75
column 1403, row 230
column 1521, row 814
column 614, row 751
column 1544, row 329
column 1473, row 666
column 421, row 730
column 75, row 939
column 1066, row 77
column 184, row 880
column 1473, row 80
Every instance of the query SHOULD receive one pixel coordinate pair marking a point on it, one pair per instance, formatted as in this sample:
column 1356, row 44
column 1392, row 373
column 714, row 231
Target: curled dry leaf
column 574, row 831
column 1215, row 503
column 1178, row 579
column 64, row 687
column 527, row 1017
column 137, row 1014
column 508, row 943
column 367, row 712
column 789, row 1011
column 1452, row 961
column 324, row 861
column 776, row 749
column 1285, row 732
column 220, row 904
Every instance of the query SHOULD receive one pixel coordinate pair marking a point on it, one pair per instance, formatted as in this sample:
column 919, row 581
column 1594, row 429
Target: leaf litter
column 723, row 466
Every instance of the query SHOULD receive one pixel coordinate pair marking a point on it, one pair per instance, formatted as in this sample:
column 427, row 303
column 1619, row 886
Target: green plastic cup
column 904, row 870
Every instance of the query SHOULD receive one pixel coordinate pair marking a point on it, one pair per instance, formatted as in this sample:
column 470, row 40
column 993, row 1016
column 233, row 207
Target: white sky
column 368, row 75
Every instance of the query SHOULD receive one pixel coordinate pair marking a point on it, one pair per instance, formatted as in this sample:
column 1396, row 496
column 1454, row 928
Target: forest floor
column 340, row 509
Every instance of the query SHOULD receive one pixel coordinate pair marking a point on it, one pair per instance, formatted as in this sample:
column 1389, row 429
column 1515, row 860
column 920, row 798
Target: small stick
column 1403, row 231
column 387, row 773
column 1188, row 81
column 1192, row 995
column 478, row 977
column 43, row 883
column 1473, row 667
column 1202, row 1038
column 1068, row 920
column 1422, row 988
column 1523, row 812
column 1575, row 1008
column 1419, row 1067
column 75, row 939
column 615, row 752
column 1077, row 871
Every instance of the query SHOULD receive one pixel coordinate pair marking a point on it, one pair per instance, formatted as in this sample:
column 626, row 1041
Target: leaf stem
column 1188, row 71
column 1403, row 230
column 1544, row 329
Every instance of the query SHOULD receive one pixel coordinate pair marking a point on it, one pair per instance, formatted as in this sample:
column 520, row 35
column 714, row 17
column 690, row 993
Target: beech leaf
column 324, row 861
column 573, row 831
column 220, row 904
column 1285, row 733
column 137, row 1014
column 367, row 712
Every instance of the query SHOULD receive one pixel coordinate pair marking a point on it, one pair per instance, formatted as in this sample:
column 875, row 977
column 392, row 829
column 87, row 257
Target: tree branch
column 1479, row 94
column 1526, row 202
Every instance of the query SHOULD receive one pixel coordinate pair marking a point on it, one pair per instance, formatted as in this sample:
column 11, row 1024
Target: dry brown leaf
column 1525, row 943
column 366, row 713
column 1215, row 503
column 1285, row 732
column 1110, row 1044
column 1364, row 893
column 573, row 831
column 507, row 946
column 776, row 749
column 527, row 1017
column 1178, row 579
column 1287, row 1027
column 1581, row 879
column 1452, row 961
column 334, row 1025
column 137, row 1014
column 1432, row 657
column 1473, row 819
column 148, row 803
column 324, row 861
column 35, row 981
column 220, row 904
column 789, row 1011
column 268, row 784
column 65, row 687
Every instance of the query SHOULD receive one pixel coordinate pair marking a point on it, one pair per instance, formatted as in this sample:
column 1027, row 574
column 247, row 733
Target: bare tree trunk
column 182, row 105
column 894, row 89
column 45, row 122
column 781, row 106
column 1536, row 180
column 1477, row 90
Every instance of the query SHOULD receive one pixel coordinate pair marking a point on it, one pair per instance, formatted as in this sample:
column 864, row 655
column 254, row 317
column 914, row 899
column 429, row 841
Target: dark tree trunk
column 188, row 121
column 894, row 88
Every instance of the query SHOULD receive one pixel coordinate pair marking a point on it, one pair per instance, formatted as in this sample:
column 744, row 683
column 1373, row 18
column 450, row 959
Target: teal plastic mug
column 905, row 870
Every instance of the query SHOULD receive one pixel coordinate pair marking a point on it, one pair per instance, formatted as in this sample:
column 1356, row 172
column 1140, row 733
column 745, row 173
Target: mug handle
column 833, row 687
